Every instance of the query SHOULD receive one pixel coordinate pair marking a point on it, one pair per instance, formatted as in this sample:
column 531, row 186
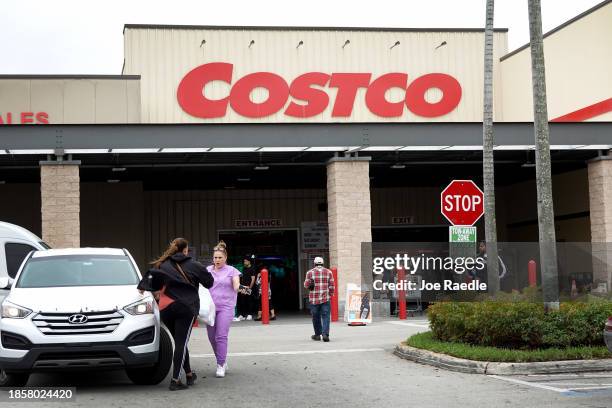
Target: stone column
column 349, row 216
column 60, row 203
column 600, row 197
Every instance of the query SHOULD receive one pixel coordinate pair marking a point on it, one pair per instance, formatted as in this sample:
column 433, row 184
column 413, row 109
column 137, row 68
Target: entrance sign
column 460, row 233
column 307, row 97
column 462, row 202
column 272, row 223
column 358, row 307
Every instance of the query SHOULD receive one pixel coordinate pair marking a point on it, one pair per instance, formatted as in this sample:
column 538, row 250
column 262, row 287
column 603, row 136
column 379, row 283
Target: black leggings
column 179, row 320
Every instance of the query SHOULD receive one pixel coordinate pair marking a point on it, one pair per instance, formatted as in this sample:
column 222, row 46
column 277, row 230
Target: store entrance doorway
column 277, row 251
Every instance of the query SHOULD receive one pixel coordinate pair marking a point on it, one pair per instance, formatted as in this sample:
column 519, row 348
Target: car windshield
column 81, row 270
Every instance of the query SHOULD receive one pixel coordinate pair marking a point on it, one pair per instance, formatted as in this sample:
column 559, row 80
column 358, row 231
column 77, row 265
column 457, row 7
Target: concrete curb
column 492, row 368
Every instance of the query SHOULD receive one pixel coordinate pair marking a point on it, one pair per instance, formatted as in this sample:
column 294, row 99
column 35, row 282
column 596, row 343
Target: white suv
column 79, row 309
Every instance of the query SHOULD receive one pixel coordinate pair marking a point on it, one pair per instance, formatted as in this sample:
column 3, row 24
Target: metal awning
column 290, row 137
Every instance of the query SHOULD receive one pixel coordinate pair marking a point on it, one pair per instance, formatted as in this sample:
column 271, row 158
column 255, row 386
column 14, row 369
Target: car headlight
column 12, row 311
column 144, row 306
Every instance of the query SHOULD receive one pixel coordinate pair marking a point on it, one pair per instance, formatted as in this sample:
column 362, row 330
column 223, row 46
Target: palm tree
column 546, row 215
column 487, row 155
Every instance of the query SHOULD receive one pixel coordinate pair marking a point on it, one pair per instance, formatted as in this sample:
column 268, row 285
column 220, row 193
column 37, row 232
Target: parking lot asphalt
column 279, row 366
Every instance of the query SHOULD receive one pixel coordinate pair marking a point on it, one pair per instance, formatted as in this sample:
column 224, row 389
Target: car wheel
column 13, row 379
column 154, row 375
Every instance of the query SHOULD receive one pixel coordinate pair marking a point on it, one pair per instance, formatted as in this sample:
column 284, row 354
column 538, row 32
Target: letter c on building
column 190, row 92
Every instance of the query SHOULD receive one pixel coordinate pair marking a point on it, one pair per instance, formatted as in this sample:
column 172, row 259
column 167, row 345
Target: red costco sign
column 308, row 100
column 462, row 202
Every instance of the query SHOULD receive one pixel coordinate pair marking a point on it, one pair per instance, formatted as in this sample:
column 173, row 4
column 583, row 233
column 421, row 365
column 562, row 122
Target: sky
column 85, row 36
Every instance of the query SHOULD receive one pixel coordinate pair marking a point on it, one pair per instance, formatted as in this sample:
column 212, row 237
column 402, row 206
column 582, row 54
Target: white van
column 15, row 244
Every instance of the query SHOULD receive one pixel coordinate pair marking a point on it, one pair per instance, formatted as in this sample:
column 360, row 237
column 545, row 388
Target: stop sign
column 462, row 202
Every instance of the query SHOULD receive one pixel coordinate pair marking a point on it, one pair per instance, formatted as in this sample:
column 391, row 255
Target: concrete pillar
column 600, row 198
column 60, row 203
column 349, row 217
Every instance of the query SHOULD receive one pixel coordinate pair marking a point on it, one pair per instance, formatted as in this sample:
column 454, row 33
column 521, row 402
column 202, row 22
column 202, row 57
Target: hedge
column 520, row 324
column 486, row 353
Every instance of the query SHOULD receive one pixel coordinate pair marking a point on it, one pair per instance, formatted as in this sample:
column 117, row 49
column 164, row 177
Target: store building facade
column 298, row 142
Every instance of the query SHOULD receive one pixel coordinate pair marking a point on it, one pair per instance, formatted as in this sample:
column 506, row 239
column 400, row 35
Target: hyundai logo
column 77, row 319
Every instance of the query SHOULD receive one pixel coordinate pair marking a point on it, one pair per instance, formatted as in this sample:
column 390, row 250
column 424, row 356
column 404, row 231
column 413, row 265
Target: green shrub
column 520, row 324
column 486, row 353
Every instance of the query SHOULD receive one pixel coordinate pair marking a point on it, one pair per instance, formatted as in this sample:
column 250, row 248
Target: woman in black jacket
column 176, row 277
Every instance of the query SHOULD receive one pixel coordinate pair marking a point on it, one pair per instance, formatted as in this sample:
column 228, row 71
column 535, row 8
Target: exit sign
column 459, row 233
column 403, row 220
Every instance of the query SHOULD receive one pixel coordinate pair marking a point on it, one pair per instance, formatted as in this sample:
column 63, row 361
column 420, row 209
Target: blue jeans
column 320, row 318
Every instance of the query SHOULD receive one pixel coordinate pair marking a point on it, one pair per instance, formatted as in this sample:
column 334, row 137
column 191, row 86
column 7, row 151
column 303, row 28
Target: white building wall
column 578, row 60
column 72, row 100
column 162, row 56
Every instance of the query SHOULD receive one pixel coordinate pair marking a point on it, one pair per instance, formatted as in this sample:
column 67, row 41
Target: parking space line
column 591, row 388
column 573, row 375
column 289, row 353
column 530, row 384
column 570, row 384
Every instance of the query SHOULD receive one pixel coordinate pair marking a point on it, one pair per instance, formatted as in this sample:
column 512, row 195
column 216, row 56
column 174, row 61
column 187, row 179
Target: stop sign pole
column 462, row 202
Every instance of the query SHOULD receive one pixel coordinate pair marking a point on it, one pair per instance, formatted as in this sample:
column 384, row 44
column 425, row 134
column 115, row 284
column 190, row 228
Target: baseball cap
column 250, row 257
column 318, row 260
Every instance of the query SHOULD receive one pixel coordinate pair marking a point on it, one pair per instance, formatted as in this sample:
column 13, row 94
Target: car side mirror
column 6, row 283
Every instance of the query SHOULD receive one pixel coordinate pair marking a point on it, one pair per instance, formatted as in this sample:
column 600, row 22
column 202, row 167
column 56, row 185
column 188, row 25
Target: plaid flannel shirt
column 324, row 285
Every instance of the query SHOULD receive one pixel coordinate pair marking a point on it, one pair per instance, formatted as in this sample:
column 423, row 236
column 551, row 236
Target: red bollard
column 532, row 274
column 401, row 294
column 265, row 302
column 334, row 299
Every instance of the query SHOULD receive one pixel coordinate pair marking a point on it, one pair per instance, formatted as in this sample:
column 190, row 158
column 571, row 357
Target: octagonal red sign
column 462, row 202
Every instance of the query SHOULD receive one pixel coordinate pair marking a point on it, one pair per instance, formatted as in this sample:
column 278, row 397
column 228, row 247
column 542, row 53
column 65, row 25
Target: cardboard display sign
column 358, row 307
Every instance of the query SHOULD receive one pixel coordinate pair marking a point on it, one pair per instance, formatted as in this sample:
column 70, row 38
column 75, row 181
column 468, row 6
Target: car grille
column 97, row 323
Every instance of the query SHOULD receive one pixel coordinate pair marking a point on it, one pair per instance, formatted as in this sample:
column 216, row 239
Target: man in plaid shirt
column 320, row 281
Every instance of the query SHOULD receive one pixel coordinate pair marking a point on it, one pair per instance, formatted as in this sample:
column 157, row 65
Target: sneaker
column 273, row 317
column 326, row 338
column 177, row 385
column 220, row 371
column 241, row 318
column 192, row 378
column 236, row 319
column 316, row 337
column 249, row 317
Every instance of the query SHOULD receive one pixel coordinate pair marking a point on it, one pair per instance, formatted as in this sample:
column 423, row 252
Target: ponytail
column 177, row 245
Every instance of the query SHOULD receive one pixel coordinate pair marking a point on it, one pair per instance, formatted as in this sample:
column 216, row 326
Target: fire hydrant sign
column 458, row 233
column 462, row 202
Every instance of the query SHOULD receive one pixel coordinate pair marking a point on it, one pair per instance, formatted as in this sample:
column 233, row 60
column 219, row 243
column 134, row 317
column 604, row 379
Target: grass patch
column 426, row 341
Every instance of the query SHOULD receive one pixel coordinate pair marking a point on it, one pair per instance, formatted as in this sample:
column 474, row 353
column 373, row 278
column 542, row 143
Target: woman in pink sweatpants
column 223, row 292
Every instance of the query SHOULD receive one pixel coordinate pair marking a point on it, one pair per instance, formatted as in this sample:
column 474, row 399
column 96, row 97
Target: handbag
column 164, row 300
column 207, row 310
